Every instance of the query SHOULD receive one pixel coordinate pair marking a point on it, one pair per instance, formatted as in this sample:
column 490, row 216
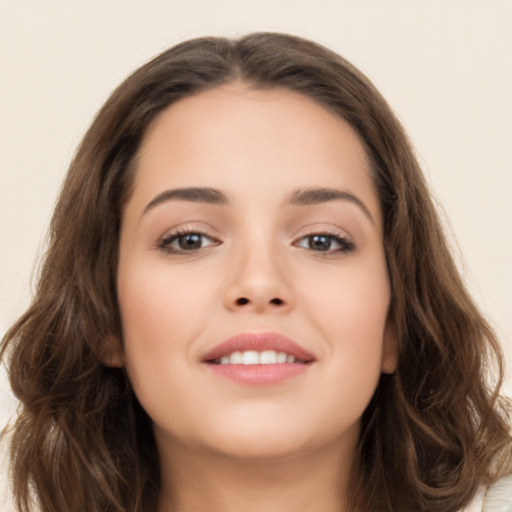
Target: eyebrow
column 193, row 194
column 300, row 197
column 312, row 196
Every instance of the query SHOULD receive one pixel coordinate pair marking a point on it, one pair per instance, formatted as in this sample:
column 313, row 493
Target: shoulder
column 497, row 498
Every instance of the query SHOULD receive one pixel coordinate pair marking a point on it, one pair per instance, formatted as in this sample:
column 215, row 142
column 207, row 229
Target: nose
column 258, row 282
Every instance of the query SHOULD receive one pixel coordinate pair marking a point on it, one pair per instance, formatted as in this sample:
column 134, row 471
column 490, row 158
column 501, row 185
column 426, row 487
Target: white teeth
column 268, row 357
column 250, row 357
column 282, row 357
column 236, row 358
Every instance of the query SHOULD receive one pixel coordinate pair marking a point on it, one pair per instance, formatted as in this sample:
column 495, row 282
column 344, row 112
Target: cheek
column 355, row 301
column 354, row 322
column 160, row 321
column 147, row 306
column 351, row 313
column 157, row 303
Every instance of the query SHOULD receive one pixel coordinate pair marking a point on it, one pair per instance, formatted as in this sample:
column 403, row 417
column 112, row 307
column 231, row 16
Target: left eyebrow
column 193, row 194
column 312, row 196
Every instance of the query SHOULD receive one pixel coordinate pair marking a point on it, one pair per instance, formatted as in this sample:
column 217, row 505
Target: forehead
column 237, row 138
column 254, row 115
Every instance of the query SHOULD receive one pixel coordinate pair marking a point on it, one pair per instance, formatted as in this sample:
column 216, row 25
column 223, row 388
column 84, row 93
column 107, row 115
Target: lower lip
column 259, row 374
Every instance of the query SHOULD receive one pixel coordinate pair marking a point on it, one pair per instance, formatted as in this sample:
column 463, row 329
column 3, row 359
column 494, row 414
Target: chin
column 276, row 440
column 262, row 447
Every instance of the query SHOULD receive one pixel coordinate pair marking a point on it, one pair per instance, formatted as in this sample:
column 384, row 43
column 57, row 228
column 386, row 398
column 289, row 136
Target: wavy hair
column 434, row 431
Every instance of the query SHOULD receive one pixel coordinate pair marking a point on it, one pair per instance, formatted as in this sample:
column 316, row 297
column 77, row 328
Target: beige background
column 444, row 65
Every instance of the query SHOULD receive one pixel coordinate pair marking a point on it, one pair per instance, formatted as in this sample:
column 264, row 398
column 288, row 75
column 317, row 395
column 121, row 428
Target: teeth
column 250, row 357
column 282, row 357
column 253, row 357
column 268, row 357
column 236, row 358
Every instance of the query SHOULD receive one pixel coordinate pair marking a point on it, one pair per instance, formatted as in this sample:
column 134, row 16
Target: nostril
column 242, row 301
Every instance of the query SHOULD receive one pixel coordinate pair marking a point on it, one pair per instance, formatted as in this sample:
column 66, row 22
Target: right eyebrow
column 312, row 196
column 194, row 194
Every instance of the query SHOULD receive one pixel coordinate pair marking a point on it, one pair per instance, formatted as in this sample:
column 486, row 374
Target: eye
column 325, row 242
column 190, row 241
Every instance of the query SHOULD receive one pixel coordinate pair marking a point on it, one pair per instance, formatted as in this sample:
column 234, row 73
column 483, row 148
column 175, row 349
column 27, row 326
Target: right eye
column 326, row 243
column 182, row 242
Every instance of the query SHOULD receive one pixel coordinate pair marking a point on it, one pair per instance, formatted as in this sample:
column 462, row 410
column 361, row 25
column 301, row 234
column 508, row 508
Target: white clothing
column 498, row 498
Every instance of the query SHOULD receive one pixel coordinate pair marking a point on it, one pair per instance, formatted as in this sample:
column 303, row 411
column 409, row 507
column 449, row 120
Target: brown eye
column 323, row 242
column 319, row 242
column 190, row 241
column 186, row 242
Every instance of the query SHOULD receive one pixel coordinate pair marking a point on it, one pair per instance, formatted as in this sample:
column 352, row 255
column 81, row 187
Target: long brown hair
column 434, row 431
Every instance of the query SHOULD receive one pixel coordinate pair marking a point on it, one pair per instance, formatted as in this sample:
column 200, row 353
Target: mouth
column 258, row 358
column 250, row 357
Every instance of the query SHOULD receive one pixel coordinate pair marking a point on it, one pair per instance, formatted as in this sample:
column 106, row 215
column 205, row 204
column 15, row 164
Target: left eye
column 186, row 242
column 323, row 243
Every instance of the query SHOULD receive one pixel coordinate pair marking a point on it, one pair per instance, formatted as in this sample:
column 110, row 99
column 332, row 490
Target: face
column 252, row 280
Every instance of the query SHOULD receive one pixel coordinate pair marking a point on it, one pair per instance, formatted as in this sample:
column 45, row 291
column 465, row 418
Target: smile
column 258, row 359
column 255, row 357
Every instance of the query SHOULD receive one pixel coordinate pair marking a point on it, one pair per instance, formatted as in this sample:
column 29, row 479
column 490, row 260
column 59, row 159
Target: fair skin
column 263, row 256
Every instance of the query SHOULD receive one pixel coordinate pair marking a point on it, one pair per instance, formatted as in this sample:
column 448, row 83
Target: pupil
column 190, row 241
column 320, row 242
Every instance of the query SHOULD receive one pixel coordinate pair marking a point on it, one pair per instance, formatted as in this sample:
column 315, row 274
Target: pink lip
column 258, row 374
column 258, row 342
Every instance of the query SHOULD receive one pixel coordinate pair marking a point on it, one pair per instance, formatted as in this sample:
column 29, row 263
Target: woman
column 248, row 304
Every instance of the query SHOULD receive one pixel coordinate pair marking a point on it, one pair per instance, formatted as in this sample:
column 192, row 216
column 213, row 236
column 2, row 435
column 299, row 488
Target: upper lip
column 258, row 342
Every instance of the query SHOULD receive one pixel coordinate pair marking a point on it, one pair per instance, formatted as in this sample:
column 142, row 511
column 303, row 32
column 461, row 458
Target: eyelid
column 323, row 228
column 173, row 234
column 345, row 241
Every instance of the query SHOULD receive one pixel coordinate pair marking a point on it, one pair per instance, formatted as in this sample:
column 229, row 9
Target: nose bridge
column 257, row 278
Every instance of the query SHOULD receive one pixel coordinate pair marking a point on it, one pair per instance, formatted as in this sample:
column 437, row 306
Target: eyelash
column 165, row 243
column 345, row 245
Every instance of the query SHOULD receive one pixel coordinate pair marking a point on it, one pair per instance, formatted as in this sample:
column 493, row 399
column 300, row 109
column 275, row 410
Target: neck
column 220, row 483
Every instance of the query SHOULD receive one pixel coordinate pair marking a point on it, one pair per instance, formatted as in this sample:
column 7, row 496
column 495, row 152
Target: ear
column 389, row 361
column 112, row 353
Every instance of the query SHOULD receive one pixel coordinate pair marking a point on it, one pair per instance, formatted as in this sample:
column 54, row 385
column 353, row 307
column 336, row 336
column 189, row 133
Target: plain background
column 445, row 66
